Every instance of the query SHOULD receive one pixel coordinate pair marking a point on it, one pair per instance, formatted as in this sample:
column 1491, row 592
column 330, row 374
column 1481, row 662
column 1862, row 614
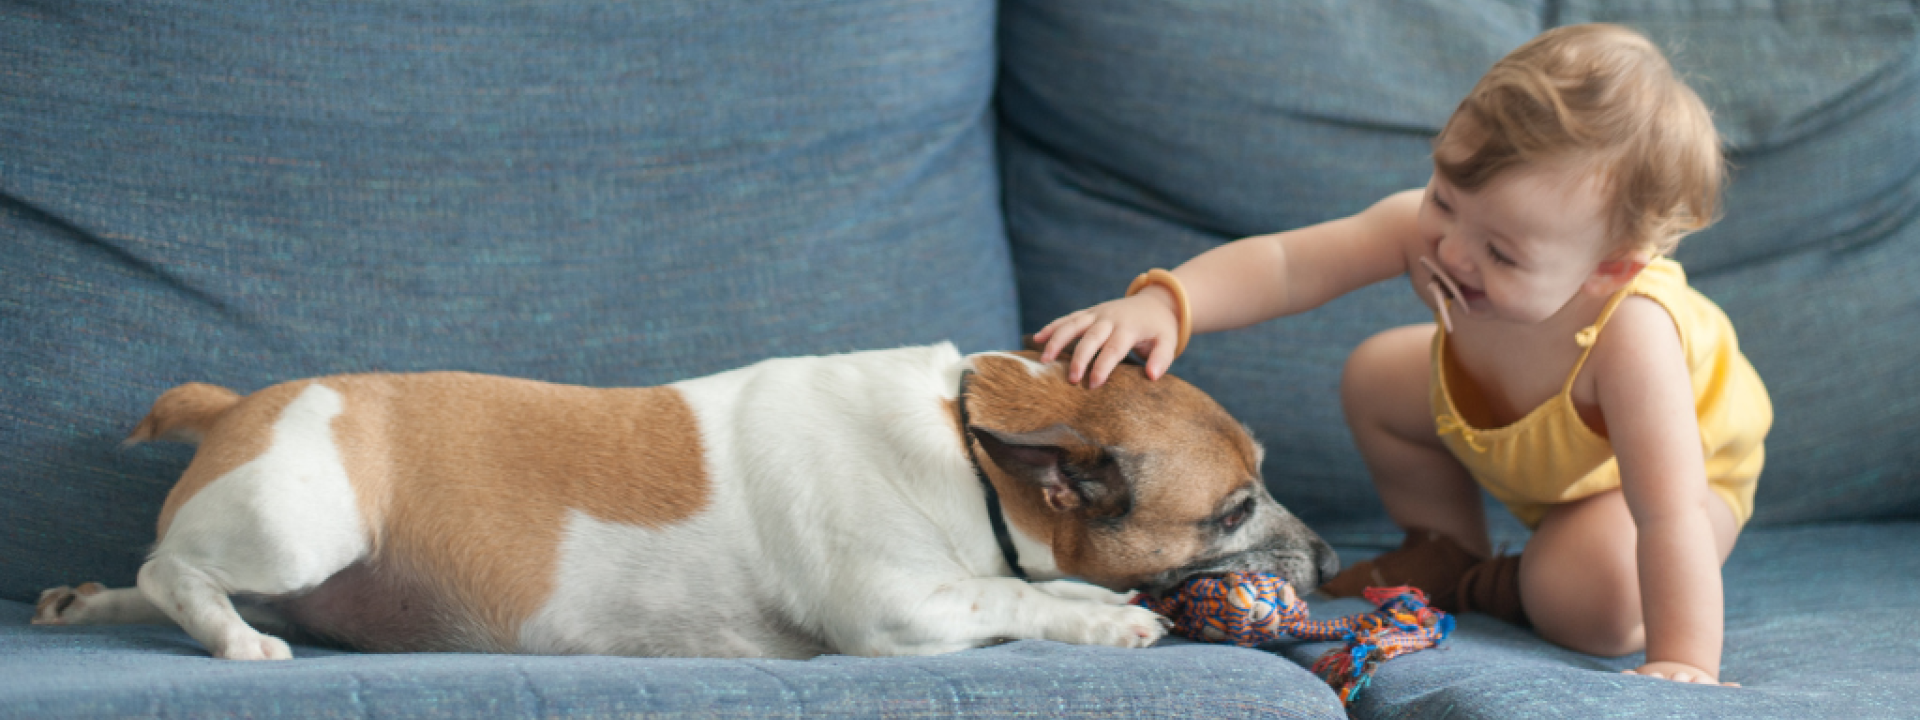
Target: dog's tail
column 184, row 414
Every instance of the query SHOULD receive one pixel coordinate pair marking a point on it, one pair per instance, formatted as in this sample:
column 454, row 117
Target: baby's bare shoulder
column 1640, row 337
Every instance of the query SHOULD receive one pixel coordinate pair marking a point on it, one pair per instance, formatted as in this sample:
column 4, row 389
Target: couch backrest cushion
column 603, row 193
column 1138, row 133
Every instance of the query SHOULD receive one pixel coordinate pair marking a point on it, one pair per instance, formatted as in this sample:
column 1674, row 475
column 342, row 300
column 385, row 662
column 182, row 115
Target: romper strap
column 1587, row 337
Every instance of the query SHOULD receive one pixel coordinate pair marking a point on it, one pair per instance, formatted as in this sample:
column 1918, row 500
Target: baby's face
column 1522, row 246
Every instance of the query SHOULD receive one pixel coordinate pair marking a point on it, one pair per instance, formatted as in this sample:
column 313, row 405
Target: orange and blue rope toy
column 1249, row 609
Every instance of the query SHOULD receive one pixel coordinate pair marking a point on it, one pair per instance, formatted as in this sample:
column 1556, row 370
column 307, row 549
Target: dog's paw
column 1125, row 626
column 249, row 644
column 1076, row 590
column 65, row 605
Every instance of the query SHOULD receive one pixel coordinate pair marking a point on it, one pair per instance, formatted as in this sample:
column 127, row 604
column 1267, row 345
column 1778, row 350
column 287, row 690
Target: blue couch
column 614, row 193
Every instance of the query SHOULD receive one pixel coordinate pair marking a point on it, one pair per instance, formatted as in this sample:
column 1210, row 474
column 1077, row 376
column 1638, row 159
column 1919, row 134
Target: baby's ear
column 1615, row 272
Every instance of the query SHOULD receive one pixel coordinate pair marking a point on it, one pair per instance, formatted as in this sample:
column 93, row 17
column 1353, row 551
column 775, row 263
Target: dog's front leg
column 979, row 611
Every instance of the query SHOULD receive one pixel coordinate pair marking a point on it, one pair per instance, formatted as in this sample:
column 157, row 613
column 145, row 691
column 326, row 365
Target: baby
column 1572, row 372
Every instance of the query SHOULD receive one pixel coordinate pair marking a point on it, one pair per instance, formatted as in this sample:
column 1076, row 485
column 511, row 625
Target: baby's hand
column 1678, row 672
column 1108, row 331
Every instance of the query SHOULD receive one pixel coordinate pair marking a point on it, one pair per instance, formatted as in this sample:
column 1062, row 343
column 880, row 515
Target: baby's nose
column 1453, row 258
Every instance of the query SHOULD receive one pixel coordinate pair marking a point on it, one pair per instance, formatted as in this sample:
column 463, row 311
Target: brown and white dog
column 790, row 508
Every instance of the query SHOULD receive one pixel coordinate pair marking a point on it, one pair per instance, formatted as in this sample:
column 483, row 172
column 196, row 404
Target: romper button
column 1587, row 336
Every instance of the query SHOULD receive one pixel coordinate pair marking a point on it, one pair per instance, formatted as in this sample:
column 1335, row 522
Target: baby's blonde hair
column 1605, row 95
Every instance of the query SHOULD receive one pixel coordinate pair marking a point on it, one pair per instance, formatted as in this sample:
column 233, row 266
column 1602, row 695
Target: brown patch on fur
column 469, row 478
column 231, row 436
column 1168, row 428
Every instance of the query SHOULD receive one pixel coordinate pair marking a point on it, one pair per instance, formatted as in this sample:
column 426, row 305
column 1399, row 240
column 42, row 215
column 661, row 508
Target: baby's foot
column 1426, row 559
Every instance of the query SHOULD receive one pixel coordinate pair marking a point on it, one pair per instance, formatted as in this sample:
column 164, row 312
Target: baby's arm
column 1241, row 283
column 1646, row 394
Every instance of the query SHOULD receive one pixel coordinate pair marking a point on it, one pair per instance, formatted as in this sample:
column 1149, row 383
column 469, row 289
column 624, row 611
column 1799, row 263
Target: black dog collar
column 995, row 515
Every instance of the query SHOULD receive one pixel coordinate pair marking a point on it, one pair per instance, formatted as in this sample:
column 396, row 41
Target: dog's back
column 789, row 508
column 452, row 511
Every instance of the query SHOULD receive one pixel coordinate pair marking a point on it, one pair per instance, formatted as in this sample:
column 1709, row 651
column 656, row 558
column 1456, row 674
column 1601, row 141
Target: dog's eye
column 1231, row 521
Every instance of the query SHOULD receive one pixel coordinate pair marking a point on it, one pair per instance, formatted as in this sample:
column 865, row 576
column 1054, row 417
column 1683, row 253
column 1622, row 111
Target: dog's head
column 1137, row 484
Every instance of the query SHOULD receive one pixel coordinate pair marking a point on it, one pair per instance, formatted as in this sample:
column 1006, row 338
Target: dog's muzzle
column 1304, row 565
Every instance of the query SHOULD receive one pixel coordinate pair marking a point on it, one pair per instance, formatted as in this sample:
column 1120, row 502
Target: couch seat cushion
column 150, row 670
column 1820, row 623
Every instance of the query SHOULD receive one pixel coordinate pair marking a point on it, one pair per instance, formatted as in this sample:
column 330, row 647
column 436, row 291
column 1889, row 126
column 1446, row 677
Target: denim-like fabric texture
column 1820, row 623
column 595, row 193
column 155, row 671
column 1139, row 133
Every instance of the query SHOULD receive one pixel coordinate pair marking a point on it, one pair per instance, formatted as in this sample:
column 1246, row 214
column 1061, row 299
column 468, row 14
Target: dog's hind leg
column 96, row 604
column 201, row 606
column 277, row 525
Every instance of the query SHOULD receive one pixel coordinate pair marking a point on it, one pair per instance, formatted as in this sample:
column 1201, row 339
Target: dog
column 896, row 502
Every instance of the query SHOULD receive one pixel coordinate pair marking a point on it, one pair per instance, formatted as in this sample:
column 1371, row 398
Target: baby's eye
column 1442, row 204
column 1500, row 257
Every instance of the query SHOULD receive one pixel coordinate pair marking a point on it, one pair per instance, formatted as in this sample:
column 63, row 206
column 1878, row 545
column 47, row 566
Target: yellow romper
column 1551, row 456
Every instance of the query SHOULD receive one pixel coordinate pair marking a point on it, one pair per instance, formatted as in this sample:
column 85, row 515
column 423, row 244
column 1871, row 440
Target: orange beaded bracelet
column 1181, row 308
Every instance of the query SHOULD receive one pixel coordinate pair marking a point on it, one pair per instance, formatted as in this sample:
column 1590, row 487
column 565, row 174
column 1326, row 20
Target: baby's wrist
column 1167, row 290
column 1161, row 298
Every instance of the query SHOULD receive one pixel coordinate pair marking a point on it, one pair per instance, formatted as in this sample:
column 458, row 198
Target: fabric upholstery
column 1820, row 624
column 134, row 670
column 1139, row 133
column 598, row 193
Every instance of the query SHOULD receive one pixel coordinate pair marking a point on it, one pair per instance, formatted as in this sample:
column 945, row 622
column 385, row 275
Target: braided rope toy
column 1249, row 609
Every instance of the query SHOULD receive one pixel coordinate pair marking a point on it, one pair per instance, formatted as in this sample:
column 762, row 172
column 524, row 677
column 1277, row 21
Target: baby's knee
column 1609, row 638
column 1388, row 366
column 1604, row 623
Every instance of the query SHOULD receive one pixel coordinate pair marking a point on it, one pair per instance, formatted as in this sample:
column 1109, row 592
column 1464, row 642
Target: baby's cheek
column 1544, row 303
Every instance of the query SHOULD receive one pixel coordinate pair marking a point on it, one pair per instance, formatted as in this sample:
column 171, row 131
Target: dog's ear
column 1027, row 344
column 1073, row 474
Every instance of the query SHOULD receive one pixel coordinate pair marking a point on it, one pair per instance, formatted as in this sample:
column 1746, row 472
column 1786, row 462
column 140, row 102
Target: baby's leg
column 1385, row 393
column 1579, row 576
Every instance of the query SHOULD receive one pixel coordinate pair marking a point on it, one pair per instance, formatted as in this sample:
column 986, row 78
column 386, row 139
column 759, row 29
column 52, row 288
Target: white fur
column 1034, row 368
column 844, row 516
column 94, row 605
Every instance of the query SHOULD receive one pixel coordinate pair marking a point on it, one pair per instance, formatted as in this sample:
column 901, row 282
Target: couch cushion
column 604, row 193
column 159, row 671
column 1819, row 623
column 1138, row 133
